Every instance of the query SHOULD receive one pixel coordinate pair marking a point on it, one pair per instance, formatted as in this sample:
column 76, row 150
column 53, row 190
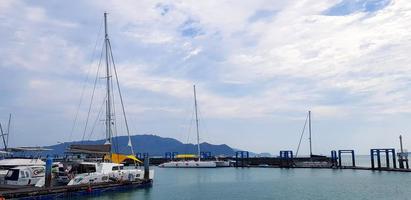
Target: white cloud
column 352, row 66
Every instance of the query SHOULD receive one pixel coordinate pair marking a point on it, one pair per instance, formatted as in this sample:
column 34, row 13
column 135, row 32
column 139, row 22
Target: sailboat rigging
column 197, row 130
column 111, row 165
column 110, row 123
column 308, row 119
column 192, row 164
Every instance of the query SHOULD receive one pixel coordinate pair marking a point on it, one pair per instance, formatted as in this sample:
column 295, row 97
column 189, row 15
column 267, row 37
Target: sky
column 258, row 67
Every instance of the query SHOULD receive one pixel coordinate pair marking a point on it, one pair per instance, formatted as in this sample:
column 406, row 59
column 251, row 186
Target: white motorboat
column 7, row 164
column 26, row 176
column 107, row 172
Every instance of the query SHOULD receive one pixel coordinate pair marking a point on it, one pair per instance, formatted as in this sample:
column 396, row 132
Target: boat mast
column 108, row 81
column 8, row 131
column 198, row 132
column 309, row 130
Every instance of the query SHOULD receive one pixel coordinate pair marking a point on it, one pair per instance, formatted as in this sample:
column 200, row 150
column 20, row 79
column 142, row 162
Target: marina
column 90, row 169
column 180, row 100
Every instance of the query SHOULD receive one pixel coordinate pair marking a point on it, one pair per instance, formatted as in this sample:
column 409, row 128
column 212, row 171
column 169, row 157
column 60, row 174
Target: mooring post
column 146, row 168
column 394, row 164
column 236, row 159
column 378, row 159
column 49, row 163
column 242, row 159
column 387, row 158
column 353, row 158
column 334, row 158
column 372, row 158
column 339, row 159
column 248, row 158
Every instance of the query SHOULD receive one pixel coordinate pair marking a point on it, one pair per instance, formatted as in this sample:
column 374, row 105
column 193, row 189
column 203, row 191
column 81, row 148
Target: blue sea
column 270, row 183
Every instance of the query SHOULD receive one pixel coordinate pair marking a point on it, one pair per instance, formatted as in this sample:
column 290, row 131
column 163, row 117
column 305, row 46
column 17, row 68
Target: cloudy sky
column 259, row 66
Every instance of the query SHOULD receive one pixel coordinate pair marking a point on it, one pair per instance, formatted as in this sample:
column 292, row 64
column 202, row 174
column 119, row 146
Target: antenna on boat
column 198, row 132
column 309, row 130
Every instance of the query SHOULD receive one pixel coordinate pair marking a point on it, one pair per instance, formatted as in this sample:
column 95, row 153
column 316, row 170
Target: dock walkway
column 9, row 192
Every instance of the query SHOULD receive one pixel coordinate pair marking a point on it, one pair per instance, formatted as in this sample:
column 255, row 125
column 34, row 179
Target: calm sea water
column 270, row 183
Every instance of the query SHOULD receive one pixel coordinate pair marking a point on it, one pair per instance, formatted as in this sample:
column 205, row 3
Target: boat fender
column 89, row 189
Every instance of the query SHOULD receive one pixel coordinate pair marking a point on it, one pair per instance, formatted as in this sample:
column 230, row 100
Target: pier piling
column 170, row 155
column 286, row 158
column 205, row 154
column 340, row 152
column 146, row 168
column 402, row 156
column 241, row 158
column 334, row 158
column 141, row 155
column 377, row 153
column 49, row 163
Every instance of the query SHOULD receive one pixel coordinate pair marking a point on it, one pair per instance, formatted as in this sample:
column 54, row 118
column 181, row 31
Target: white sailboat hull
column 189, row 164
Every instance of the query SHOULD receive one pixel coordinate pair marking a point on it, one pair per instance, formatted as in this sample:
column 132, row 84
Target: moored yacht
column 107, row 172
column 26, row 176
column 192, row 163
column 189, row 164
column 110, row 168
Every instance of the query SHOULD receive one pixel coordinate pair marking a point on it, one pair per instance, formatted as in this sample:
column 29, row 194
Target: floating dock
column 53, row 192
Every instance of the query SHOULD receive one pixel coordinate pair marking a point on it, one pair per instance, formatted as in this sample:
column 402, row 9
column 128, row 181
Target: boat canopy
column 20, row 149
column 119, row 158
column 89, row 148
column 186, row 156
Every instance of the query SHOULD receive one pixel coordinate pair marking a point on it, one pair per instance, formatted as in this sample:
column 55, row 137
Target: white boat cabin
column 25, row 175
column 89, row 172
column 10, row 163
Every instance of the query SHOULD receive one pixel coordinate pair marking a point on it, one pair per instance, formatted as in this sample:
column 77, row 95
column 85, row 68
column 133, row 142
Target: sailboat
column 309, row 137
column 192, row 163
column 314, row 160
column 111, row 168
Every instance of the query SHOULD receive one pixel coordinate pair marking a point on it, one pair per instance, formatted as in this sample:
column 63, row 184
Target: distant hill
column 152, row 144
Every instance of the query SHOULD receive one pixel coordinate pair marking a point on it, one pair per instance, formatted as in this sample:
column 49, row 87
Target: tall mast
column 309, row 129
column 108, row 81
column 198, row 132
